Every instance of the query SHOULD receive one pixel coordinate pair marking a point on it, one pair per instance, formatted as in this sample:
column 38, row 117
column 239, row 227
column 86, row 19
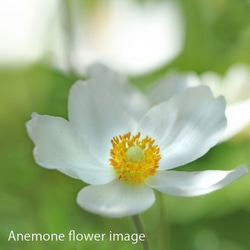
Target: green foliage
column 37, row 200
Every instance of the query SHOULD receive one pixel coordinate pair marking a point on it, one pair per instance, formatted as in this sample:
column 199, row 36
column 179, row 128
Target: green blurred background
column 35, row 200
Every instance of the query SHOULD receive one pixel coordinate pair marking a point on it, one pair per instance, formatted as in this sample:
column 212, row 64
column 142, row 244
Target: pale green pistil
column 135, row 154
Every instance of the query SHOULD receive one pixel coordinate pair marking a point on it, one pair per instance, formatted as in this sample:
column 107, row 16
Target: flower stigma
column 134, row 159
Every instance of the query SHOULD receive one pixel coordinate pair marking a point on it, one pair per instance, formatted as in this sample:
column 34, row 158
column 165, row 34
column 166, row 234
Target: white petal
column 186, row 127
column 178, row 183
column 98, row 116
column 58, row 146
column 116, row 199
column 238, row 118
column 171, row 85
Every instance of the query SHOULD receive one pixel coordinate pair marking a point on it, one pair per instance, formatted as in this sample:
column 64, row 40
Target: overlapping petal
column 132, row 100
column 178, row 183
column 186, row 127
column 173, row 84
column 58, row 146
column 116, row 199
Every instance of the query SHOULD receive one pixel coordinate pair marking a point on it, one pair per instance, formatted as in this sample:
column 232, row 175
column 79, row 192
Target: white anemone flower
column 123, row 158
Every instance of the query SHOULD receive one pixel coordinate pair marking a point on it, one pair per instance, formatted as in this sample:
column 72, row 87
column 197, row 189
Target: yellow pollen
column 134, row 159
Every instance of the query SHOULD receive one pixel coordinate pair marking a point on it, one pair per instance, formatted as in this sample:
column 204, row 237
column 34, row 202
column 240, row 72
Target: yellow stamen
column 134, row 159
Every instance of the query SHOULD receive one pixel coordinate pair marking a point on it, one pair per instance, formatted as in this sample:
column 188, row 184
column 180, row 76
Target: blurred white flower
column 235, row 86
column 131, row 37
column 122, row 157
column 23, row 30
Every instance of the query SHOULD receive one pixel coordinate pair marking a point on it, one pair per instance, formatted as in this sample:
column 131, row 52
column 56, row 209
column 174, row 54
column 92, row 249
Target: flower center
column 134, row 154
column 134, row 159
